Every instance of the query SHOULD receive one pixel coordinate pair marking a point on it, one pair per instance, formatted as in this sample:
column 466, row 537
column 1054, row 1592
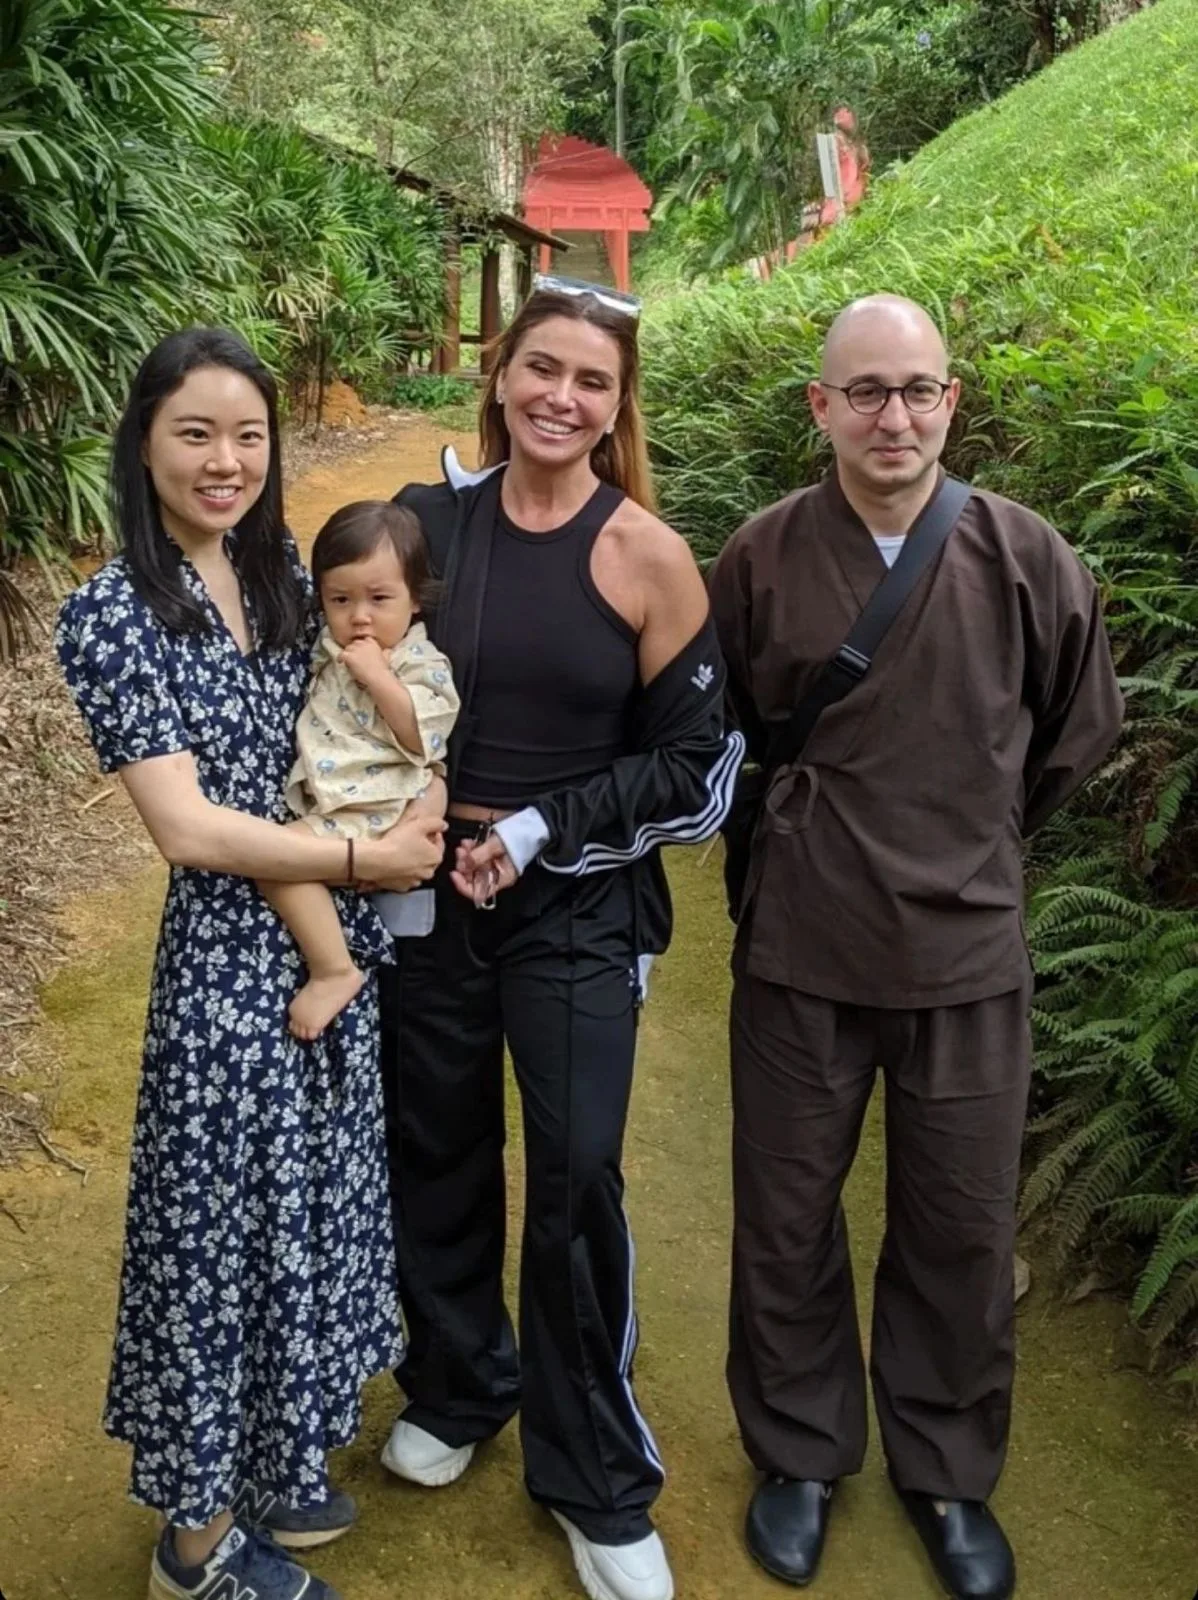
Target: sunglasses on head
column 615, row 299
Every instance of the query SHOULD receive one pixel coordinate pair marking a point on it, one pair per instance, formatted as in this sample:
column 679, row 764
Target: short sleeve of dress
column 115, row 670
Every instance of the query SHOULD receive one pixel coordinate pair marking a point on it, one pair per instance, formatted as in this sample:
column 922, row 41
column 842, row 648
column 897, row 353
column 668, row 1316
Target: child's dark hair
column 356, row 531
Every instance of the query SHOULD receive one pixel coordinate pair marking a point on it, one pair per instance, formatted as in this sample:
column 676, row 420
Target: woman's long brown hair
column 622, row 456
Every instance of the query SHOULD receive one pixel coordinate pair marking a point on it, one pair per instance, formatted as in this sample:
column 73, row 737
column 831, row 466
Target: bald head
column 872, row 328
column 885, row 399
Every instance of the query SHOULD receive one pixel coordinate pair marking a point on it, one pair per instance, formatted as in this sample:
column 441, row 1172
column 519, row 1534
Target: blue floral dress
column 259, row 1287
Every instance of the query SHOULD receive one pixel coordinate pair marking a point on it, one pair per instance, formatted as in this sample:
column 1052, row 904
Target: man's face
column 897, row 446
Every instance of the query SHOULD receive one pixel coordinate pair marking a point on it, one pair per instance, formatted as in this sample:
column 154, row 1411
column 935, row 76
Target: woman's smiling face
column 207, row 452
column 561, row 390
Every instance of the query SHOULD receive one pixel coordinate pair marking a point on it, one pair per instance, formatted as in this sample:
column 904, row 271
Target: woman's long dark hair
column 272, row 586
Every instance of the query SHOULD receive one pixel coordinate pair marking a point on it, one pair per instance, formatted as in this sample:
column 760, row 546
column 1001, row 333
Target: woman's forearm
column 191, row 831
column 218, row 839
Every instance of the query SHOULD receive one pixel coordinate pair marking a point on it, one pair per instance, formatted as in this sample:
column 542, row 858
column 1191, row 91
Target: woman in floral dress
column 258, row 1289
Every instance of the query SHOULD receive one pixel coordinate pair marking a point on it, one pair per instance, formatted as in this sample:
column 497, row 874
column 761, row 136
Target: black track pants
column 551, row 969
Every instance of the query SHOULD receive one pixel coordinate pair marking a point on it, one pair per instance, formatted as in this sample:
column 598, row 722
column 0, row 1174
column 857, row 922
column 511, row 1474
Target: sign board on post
column 829, row 167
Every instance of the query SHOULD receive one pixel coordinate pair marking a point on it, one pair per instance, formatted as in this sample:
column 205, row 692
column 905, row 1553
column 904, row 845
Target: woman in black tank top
column 578, row 599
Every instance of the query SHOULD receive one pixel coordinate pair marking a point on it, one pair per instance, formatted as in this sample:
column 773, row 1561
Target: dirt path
column 1100, row 1490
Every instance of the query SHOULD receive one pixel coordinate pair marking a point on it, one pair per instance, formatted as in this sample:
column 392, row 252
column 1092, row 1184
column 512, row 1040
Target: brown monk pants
column 942, row 1348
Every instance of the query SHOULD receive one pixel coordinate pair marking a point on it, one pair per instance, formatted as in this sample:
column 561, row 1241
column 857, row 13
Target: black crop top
column 557, row 665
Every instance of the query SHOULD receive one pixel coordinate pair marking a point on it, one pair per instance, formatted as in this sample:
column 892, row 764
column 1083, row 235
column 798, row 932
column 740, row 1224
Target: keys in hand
column 482, row 869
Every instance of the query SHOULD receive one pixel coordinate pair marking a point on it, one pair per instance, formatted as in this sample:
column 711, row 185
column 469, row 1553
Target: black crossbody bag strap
column 855, row 656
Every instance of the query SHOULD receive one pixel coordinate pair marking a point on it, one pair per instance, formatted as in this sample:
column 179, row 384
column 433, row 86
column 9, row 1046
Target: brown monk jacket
column 892, row 873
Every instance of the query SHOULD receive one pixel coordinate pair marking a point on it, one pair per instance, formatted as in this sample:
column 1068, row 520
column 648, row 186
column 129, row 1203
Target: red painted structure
column 852, row 157
column 587, row 189
column 853, row 161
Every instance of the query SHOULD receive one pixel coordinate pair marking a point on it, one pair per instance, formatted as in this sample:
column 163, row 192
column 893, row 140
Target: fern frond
column 1177, row 1245
column 1177, row 1308
column 1093, row 1190
column 1048, row 1178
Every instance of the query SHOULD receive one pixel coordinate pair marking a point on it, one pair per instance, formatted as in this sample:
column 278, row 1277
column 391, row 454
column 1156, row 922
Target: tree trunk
column 505, row 174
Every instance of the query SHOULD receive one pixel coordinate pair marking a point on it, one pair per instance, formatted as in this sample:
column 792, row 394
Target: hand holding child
column 406, row 856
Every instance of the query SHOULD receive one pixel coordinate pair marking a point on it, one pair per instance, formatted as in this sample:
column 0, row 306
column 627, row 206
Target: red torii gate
column 589, row 189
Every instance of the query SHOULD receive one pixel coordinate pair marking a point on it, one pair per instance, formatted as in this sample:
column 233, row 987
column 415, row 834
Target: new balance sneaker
column 637, row 1571
column 246, row 1565
column 304, row 1530
column 296, row 1530
column 420, row 1457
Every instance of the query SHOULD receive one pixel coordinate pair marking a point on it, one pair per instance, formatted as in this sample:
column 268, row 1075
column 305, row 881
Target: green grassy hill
column 1055, row 237
column 1054, row 234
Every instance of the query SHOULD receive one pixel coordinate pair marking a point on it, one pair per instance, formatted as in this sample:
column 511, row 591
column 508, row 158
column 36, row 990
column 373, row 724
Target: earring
column 499, row 397
column 611, row 428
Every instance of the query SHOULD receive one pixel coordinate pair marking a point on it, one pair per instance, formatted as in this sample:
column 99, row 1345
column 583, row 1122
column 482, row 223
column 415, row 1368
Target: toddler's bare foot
column 321, row 999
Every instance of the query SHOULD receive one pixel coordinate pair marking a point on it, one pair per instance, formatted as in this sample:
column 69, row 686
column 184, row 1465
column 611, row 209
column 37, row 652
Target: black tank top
column 557, row 665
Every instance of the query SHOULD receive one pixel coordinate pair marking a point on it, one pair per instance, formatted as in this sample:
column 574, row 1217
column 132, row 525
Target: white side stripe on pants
column 631, row 1337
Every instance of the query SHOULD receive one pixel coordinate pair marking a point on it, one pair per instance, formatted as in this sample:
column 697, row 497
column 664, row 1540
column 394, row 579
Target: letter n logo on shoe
column 229, row 1588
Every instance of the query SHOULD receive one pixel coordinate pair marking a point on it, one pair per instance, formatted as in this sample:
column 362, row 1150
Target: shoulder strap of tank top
column 599, row 510
column 595, row 516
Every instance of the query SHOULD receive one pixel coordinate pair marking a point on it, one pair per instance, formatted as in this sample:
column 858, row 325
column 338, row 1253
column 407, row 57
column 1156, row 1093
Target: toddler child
column 370, row 742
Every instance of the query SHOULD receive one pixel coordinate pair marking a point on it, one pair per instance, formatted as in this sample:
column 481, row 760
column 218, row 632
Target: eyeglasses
column 920, row 395
column 613, row 299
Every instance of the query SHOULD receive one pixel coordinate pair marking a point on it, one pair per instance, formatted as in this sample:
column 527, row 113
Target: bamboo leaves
column 126, row 210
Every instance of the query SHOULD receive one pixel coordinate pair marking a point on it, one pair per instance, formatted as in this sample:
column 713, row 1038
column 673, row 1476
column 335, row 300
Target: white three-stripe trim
column 631, row 1338
column 679, row 830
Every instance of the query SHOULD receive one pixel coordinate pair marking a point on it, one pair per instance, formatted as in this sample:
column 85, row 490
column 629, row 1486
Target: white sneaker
column 637, row 1571
column 420, row 1457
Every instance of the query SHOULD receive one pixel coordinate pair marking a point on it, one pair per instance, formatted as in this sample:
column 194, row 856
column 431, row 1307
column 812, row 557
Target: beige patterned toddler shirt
column 352, row 778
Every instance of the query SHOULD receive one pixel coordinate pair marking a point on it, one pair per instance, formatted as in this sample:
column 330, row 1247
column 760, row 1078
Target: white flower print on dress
column 258, row 1288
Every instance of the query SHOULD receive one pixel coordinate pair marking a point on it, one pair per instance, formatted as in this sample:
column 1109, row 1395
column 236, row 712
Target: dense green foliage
column 746, row 85
column 723, row 98
column 107, row 235
column 1055, row 236
column 127, row 208
column 453, row 88
column 343, row 271
column 423, row 391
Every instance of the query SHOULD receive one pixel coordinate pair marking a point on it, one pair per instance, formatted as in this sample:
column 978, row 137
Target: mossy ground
column 1100, row 1489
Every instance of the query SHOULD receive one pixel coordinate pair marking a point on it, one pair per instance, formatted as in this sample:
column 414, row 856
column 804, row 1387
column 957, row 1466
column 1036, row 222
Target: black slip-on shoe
column 967, row 1547
column 786, row 1526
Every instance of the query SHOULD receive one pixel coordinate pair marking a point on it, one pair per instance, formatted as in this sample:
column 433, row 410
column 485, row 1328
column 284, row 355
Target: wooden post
column 447, row 357
column 546, row 258
column 524, row 274
column 322, row 373
column 490, row 317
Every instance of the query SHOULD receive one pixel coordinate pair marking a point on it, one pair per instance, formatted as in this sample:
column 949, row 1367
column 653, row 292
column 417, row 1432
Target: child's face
column 368, row 599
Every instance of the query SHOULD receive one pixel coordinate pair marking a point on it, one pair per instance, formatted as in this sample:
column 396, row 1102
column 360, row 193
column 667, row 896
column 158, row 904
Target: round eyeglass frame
column 887, row 390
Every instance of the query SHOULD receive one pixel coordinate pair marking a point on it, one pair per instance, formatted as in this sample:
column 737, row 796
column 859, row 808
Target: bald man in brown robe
column 885, row 932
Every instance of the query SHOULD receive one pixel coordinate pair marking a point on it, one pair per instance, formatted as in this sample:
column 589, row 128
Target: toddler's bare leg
column 310, row 915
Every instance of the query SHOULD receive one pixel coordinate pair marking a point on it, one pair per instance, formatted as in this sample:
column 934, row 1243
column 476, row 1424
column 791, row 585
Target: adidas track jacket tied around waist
column 556, row 972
